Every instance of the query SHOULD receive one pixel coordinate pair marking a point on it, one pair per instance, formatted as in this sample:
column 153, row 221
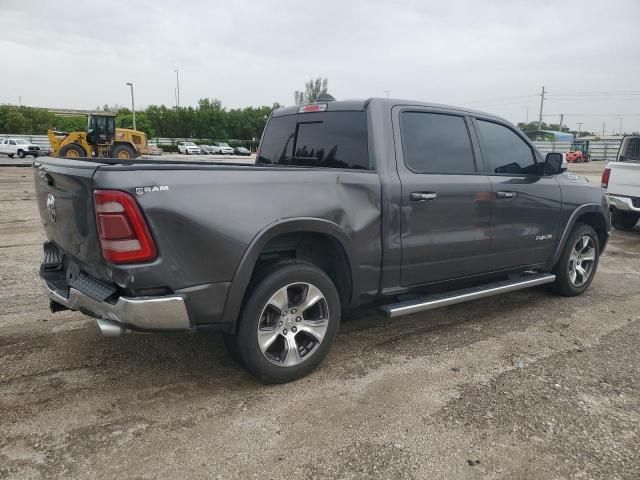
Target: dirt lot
column 527, row 385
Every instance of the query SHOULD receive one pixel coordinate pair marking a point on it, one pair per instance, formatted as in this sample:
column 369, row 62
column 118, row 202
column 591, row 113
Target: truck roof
column 362, row 104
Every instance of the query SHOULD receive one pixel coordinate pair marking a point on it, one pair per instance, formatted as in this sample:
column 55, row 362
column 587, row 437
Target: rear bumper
column 625, row 204
column 144, row 314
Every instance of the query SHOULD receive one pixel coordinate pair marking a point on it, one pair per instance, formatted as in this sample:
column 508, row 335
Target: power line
column 594, row 115
column 621, row 92
column 498, row 99
column 587, row 99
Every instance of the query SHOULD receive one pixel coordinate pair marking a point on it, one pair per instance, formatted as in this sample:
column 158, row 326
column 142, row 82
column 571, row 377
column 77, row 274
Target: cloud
column 255, row 52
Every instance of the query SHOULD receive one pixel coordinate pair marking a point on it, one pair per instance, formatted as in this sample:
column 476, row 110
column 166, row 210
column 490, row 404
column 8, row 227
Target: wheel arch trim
column 577, row 213
column 246, row 267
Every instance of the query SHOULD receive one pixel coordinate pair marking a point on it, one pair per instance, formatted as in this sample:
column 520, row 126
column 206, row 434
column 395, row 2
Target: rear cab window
column 319, row 139
column 633, row 150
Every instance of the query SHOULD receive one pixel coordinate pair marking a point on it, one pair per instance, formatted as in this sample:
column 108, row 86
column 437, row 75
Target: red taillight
column 124, row 235
column 605, row 178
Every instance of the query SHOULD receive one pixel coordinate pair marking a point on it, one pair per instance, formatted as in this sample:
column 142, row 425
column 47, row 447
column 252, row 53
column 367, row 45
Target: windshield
column 223, row 145
column 21, row 142
column 190, row 144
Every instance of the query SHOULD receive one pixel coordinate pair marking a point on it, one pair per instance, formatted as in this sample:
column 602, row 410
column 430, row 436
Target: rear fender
column 312, row 225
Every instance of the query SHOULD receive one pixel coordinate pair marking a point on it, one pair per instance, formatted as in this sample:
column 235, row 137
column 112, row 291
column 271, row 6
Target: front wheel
column 624, row 220
column 579, row 261
column 288, row 323
column 21, row 154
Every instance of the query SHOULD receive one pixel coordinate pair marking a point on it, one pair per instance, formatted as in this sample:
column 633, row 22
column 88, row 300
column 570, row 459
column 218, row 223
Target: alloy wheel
column 582, row 261
column 293, row 324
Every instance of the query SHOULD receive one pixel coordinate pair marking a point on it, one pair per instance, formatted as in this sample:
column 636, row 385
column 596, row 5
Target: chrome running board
column 465, row 295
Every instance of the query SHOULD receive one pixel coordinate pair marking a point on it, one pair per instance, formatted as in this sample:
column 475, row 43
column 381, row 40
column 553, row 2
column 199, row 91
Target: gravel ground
column 527, row 385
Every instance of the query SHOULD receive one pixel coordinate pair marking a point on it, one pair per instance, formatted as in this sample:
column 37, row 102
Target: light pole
column 387, row 92
column 579, row 128
column 620, row 118
column 177, row 90
column 526, row 121
column 133, row 106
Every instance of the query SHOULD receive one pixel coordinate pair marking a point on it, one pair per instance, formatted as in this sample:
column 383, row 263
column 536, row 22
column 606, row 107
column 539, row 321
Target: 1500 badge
column 155, row 188
column 544, row 237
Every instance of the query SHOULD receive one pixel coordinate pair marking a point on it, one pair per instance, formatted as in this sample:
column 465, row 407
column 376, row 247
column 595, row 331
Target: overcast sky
column 491, row 55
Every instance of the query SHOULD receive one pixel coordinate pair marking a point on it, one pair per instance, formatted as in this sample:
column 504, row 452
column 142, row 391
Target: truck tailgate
column 64, row 191
column 624, row 179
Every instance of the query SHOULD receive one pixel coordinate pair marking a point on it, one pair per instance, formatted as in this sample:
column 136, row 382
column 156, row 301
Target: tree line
column 208, row 120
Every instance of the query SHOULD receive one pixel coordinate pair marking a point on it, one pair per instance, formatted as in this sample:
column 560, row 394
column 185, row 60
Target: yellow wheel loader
column 102, row 139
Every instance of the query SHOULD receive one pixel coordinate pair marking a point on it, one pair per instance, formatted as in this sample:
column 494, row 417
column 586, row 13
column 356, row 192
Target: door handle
column 506, row 194
column 423, row 196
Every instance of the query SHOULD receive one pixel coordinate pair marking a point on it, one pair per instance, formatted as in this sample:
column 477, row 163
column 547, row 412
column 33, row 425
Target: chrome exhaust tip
column 109, row 328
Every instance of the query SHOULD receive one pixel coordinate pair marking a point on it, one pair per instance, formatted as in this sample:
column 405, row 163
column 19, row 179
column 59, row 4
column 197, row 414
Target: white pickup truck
column 19, row 147
column 622, row 181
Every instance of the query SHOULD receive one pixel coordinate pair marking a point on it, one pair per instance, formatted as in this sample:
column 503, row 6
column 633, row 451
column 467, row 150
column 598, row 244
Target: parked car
column 622, row 181
column 210, row 149
column 379, row 198
column 224, row 148
column 242, row 151
column 188, row 148
column 154, row 149
column 19, row 147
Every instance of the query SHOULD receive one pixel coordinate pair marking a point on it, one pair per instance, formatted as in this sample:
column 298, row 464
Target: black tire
column 73, row 150
column 564, row 285
column 21, row 154
column 123, row 152
column 624, row 220
column 10, row 155
column 244, row 346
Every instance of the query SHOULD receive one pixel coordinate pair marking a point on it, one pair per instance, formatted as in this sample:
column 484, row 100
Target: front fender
column 243, row 274
column 577, row 213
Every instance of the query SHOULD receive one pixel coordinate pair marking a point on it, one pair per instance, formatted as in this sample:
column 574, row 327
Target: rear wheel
column 73, row 150
column 288, row 323
column 579, row 261
column 123, row 152
column 624, row 220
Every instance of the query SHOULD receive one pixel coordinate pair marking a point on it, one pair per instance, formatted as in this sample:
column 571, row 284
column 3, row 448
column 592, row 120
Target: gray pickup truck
column 410, row 204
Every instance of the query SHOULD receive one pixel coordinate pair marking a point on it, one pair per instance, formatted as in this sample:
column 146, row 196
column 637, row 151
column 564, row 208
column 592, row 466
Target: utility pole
column 620, row 118
column 387, row 92
column 20, row 101
column 527, row 115
column 561, row 120
column 579, row 128
column 603, row 129
column 541, row 104
column 133, row 106
column 177, row 90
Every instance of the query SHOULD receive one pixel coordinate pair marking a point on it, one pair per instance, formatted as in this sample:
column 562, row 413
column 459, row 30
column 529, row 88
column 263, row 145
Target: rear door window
column 436, row 143
column 326, row 139
column 504, row 151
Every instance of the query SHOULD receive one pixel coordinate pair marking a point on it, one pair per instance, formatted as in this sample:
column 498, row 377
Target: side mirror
column 554, row 163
